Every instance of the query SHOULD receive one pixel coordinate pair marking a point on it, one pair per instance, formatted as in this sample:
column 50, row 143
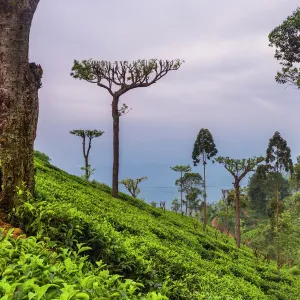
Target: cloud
column 226, row 84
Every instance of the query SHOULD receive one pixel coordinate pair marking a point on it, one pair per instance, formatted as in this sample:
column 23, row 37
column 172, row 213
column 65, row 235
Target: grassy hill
column 84, row 244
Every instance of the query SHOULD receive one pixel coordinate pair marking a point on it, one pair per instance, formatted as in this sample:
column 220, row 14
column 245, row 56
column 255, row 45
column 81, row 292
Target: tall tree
column 87, row 137
column 190, row 184
column 132, row 185
column 19, row 84
column 118, row 78
column 295, row 178
column 238, row 168
column 182, row 170
column 278, row 158
column 261, row 188
column 286, row 39
column 192, row 200
column 204, row 149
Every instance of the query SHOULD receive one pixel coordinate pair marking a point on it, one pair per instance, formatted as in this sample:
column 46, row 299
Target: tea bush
column 167, row 253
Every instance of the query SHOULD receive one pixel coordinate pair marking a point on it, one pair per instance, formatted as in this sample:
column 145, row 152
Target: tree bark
column 19, row 84
column 86, row 158
column 116, row 146
column 237, row 214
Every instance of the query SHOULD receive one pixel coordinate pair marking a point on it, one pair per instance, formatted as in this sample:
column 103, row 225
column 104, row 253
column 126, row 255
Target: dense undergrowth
column 136, row 251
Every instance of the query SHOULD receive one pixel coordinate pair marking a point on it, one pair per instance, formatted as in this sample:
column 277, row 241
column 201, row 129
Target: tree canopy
column 286, row 39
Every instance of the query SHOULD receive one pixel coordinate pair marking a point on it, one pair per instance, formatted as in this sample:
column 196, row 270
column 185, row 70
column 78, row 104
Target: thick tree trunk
column 237, row 214
column 116, row 147
column 204, row 207
column 19, row 86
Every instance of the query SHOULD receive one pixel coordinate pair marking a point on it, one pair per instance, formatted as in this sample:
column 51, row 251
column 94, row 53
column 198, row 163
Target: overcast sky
column 226, row 85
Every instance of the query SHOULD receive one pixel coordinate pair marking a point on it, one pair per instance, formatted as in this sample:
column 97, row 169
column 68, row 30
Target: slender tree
column 295, row 178
column 190, row 184
column 278, row 158
column 182, row 170
column 286, row 39
column 238, row 168
column 87, row 137
column 118, row 78
column 153, row 203
column 192, row 200
column 175, row 204
column 19, row 84
column 204, row 149
column 132, row 185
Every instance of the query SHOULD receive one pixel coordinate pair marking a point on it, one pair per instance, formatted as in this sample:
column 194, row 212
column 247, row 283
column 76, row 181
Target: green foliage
column 91, row 134
column 204, row 147
column 295, row 178
column 165, row 252
column 286, row 39
column 132, row 185
column 42, row 156
column 239, row 168
column 261, row 189
column 279, row 154
column 189, row 182
column 124, row 75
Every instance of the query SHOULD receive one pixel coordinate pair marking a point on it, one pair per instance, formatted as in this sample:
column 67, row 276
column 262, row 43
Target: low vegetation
column 84, row 244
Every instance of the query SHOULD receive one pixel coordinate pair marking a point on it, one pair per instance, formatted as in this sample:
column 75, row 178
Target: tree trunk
column 237, row 214
column 86, row 159
column 19, row 84
column 277, row 222
column 181, row 193
column 204, row 207
column 116, row 146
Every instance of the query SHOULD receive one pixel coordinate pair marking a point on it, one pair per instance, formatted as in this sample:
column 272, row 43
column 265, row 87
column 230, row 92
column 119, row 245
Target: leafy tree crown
column 204, row 147
column 278, row 155
column 286, row 39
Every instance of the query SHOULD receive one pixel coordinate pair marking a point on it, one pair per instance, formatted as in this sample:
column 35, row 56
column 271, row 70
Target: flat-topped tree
column 182, row 170
column 132, row 185
column 204, row 149
column 118, row 78
column 87, row 137
column 238, row 168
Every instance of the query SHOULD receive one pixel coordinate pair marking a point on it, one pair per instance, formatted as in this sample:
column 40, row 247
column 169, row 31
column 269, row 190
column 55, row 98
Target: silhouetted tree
column 204, row 149
column 132, row 185
column 19, row 84
column 190, row 183
column 278, row 158
column 286, row 39
column 87, row 137
column 238, row 168
column 182, row 170
column 175, row 205
column 118, row 78
column 153, row 203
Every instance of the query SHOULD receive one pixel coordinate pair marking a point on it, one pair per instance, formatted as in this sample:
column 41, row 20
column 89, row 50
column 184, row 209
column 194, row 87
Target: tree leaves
column 286, row 39
column 204, row 147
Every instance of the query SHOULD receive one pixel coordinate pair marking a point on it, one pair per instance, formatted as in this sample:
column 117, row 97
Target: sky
column 225, row 85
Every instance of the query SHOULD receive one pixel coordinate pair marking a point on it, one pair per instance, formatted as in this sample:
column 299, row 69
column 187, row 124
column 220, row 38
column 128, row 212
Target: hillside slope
column 168, row 253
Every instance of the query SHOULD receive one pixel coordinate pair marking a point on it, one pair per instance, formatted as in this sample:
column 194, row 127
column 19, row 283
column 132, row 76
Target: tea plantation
column 83, row 244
